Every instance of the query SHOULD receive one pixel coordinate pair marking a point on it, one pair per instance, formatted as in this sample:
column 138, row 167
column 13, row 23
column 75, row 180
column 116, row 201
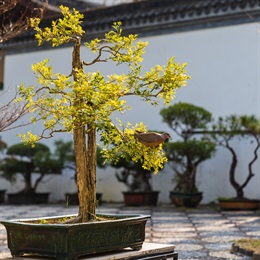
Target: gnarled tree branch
column 15, row 16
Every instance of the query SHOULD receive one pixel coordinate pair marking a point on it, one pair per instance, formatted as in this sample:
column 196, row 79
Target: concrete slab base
column 149, row 251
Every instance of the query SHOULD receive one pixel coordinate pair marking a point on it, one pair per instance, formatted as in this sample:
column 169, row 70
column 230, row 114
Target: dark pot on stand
column 2, row 196
column 239, row 204
column 145, row 198
column 187, row 200
column 27, row 198
column 72, row 198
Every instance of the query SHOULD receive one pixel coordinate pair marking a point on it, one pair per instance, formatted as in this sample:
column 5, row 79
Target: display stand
column 149, row 251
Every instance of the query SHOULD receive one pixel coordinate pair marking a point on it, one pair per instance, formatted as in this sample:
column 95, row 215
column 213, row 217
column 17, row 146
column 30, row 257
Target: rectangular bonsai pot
column 70, row 241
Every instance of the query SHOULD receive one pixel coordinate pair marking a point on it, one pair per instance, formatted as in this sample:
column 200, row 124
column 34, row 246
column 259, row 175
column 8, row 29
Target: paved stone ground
column 203, row 233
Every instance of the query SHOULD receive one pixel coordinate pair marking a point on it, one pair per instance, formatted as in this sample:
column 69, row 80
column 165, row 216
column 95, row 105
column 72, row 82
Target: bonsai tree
column 83, row 103
column 133, row 175
column 227, row 131
column 26, row 161
column 136, row 179
column 186, row 154
column 65, row 153
column 138, row 182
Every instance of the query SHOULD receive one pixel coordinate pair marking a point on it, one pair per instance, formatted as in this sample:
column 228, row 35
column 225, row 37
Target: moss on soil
column 249, row 244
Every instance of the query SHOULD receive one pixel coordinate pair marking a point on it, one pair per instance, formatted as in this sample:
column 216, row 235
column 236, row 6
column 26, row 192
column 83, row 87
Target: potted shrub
column 138, row 182
column 227, row 132
column 82, row 103
column 186, row 154
column 27, row 161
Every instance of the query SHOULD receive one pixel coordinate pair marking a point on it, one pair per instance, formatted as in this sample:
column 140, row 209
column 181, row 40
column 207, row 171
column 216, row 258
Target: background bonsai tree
column 138, row 182
column 82, row 103
column 229, row 130
column 133, row 175
column 186, row 154
column 65, row 152
column 26, row 161
column 136, row 179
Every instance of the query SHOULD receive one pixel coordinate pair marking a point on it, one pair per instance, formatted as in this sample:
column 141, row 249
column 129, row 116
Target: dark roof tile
column 154, row 16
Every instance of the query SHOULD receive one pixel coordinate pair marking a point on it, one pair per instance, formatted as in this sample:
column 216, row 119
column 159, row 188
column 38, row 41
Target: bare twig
column 10, row 113
column 15, row 16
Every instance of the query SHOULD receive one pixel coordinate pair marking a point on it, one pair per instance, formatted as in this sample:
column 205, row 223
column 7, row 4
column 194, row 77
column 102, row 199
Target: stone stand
column 149, row 251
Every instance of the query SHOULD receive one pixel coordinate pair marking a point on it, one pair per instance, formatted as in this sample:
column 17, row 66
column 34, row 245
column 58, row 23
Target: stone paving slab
column 203, row 233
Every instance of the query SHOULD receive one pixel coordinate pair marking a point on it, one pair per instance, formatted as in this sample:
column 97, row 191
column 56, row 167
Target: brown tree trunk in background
column 28, row 184
column 232, row 171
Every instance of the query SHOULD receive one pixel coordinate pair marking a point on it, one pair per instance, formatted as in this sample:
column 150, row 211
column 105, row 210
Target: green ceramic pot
column 187, row 200
column 70, row 241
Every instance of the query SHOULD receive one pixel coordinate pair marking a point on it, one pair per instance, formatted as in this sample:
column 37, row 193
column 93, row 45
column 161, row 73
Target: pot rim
column 119, row 218
column 34, row 193
column 238, row 200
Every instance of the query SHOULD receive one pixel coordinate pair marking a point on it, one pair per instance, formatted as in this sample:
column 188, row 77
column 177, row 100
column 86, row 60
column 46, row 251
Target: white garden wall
column 224, row 67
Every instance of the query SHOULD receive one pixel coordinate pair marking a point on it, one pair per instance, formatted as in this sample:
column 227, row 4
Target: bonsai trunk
column 232, row 171
column 86, row 173
column 250, row 165
column 91, row 171
column 28, row 183
column 85, row 157
column 191, row 180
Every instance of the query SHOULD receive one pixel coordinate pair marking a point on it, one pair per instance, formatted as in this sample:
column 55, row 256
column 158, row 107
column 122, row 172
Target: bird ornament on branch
column 151, row 139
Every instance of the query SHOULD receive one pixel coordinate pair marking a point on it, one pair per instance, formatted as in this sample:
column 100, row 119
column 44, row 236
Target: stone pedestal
column 149, row 251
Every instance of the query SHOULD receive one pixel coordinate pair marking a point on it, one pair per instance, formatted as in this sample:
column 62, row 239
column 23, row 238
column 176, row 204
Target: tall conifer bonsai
column 82, row 103
column 186, row 154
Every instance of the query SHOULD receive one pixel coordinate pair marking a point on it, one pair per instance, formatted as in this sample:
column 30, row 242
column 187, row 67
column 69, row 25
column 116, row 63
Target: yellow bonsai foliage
column 87, row 100
column 56, row 100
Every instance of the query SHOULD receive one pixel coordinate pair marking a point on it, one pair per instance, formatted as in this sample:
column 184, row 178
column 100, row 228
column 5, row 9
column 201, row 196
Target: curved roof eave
column 155, row 17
